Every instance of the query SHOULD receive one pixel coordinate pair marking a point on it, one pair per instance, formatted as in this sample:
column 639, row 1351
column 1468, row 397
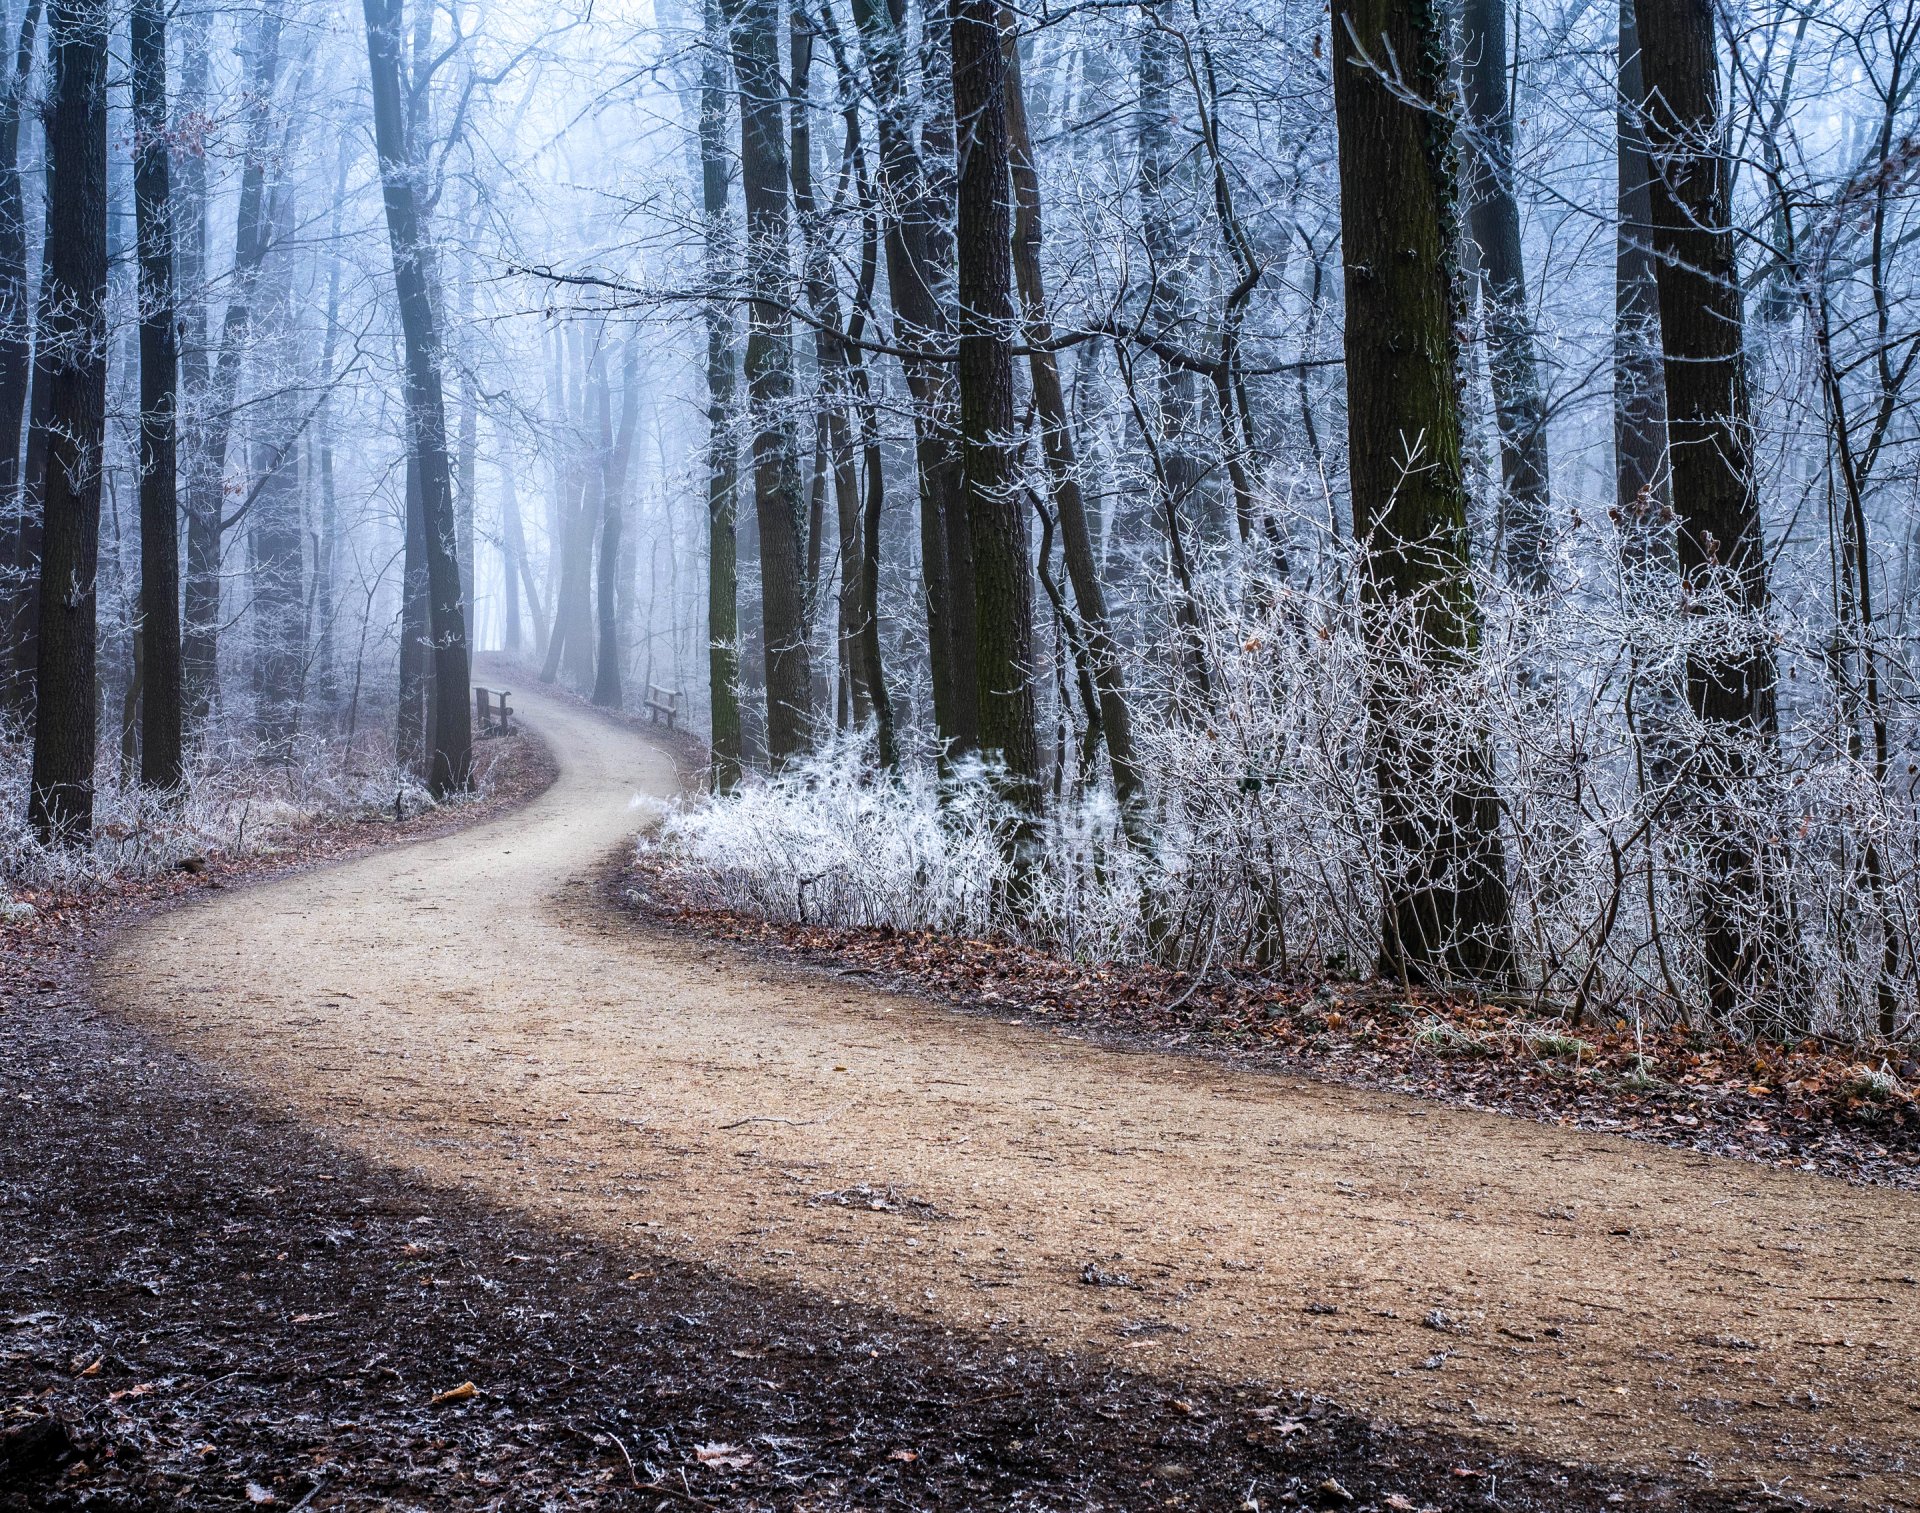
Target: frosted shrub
column 832, row 841
column 231, row 804
column 1616, row 809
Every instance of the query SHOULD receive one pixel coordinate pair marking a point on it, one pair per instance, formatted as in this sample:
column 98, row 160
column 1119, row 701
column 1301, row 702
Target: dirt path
column 464, row 1008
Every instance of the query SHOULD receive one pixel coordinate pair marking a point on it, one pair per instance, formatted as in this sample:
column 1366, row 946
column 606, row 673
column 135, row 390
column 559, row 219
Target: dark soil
column 1845, row 1111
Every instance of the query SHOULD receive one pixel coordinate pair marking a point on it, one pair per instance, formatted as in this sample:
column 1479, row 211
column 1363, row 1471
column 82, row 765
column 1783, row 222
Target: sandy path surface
column 465, row 1008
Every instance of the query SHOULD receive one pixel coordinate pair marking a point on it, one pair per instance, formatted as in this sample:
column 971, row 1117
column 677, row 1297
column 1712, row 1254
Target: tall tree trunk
column 834, row 361
column 921, row 321
column 1447, row 909
column 587, row 492
column 1003, row 582
column 19, row 601
column 215, row 393
column 1056, row 445
column 325, row 547
column 161, row 718
column 513, row 560
column 617, row 450
column 73, row 340
column 1643, row 508
column 1720, row 546
column 276, row 533
column 777, row 493
column 412, row 718
column 426, row 409
column 723, row 613
column 1493, row 218
column 1175, row 417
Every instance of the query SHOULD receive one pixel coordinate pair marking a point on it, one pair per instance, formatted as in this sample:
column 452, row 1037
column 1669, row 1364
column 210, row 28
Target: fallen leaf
column 909, row 1456
column 94, row 1369
column 724, row 1457
column 259, row 1496
column 455, row 1394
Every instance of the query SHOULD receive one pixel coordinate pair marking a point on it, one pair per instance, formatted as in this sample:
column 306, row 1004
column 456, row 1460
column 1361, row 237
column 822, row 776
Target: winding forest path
column 467, row 1008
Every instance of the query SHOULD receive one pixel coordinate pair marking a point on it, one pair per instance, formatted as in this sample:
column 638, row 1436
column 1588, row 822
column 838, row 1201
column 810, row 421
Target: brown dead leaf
column 455, row 1394
column 723, row 1457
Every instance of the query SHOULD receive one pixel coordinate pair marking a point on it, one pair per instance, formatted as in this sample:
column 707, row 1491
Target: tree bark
column 214, row 394
column 617, row 448
column 73, row 343
column 1003, row 581
column 723, row 609
column 1719, row 543
column 1447, row 909
column 1493, row 218
column 161, row 718
column 1056, row 445
column 914, row 239
column 1175, row 416
column 779, row 503
column 19, row 605
column 426, row 410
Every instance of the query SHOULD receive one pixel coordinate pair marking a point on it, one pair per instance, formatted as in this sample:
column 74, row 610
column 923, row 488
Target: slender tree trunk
column 1003, row 583
column 427, row 420
column 1643, row 507
column 922, row 321
column 275, row 528
column 73, row 339
column 1175, row 417
column 617, row 447
column 1447, row 910
column 1056, row 444
column 412, row 719
column 1493, row 218
column 161, row 719
column 723, row 614
column 513, row 560
column 778, row 499
column 835, row 447
column 1719, row 542
column 325, row 547
column 215, row 393
column 19, row 602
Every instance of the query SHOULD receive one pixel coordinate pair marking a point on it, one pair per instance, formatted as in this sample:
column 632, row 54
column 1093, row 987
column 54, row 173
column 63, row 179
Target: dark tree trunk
column 161, row 705
column 1719, row 543
column 1643, row 508
column 1639, row 389
column 1493, row 217
column 73, row 341
column 1056, row 444
column 19, row 602
column 1447, row 910
column 777, row 492
column 1003, row 583
column 426, row 409
column 834, row 362
column 914, row 236
column 722, row 452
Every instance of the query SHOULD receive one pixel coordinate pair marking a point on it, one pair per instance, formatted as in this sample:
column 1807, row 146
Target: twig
column 778, row 1119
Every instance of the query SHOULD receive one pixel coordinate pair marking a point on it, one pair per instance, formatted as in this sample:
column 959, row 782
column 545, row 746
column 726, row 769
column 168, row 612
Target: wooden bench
column 662, row 702
column 491, row 713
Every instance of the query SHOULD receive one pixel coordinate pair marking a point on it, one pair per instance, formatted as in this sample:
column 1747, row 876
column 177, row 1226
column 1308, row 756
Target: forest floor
column 706, row 1230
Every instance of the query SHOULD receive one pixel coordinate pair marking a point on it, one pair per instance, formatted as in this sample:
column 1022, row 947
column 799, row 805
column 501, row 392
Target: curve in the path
column 464, row 1007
